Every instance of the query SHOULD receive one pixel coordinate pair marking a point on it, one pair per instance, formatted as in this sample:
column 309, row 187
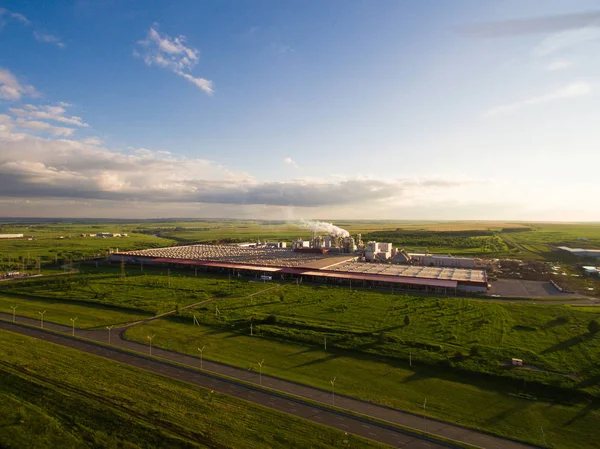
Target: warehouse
column 580, row 252
column 288, row 264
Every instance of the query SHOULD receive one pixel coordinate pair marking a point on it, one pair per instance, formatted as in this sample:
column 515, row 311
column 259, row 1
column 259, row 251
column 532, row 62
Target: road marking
column 366, row 427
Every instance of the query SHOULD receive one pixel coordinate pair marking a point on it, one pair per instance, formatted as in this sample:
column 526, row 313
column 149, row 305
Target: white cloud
column 45, row 127
column 14, row 15
column 40, row 36
column 36, row 167
column 92, row 141
column 202, row 83
column 48, row 38
column 565, row 39
column 172, row 54
column 54, row 113
column 11, row 89
column 574, row 90
column 288, row 160
column 558, row 64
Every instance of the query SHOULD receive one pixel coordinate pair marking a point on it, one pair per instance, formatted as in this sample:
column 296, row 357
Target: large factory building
column 308, row 263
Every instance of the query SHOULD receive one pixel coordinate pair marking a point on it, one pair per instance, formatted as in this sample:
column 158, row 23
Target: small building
column 581, row 252
column 104, row 234
column 517, row 362
column 11, row 236
column 433, row 260
column 591, row 271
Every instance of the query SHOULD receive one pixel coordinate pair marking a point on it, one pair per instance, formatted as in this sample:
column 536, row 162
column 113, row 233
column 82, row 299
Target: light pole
column 14, row 311
column 73, row 321
column 260, row 364
column 201, row 351
column 544, row 437
column 424, row 415
column 109, row 328
column 42, row 318
column 150, row 338
column 333, row 390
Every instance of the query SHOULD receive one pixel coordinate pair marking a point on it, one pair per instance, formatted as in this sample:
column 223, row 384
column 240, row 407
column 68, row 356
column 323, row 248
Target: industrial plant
column 330, row 255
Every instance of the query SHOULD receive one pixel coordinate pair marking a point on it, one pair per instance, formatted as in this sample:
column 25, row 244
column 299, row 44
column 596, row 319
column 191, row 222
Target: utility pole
column 251, row 333
column 122, row 269
column 325, row 342
column 14, row 311
column 544, row 437
column 169, row 277
column 109, row 328
column 410, row 359
column 260, row 364
column 150, row 338
column 42, row 318
column 333, row 391
column 39, row 265
column 73, row 321
column 201, row 351
column 424, row 415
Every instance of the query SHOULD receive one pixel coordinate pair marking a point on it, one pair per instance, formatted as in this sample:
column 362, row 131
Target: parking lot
column 517, row 288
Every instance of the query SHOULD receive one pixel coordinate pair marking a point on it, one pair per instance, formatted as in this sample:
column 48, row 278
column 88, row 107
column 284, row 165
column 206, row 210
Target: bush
column 474, row 351
column 406, row 320
column 271, row 319
column 459, row 355
column 281, row 296
column 593, row 327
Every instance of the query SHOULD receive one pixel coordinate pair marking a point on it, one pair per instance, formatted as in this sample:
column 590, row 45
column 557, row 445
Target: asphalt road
column 441, row 428
column 338, row 420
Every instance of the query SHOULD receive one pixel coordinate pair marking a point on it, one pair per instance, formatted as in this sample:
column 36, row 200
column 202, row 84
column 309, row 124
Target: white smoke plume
column 321, row 226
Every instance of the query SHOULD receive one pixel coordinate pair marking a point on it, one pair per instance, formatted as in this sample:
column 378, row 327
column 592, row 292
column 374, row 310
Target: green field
column 152, row 290
column 59, row 397
column 459, row 347
column 483, row 239
column 61, row 311
column 475, row 401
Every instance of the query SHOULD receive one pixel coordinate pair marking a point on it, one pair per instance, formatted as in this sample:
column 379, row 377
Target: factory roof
column 458, row 274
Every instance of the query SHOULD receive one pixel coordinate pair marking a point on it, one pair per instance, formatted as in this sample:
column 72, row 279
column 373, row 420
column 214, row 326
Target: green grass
column 51, row 249
column 151, row 290
column 59, row 397
column 468, row 400
column 373, row 322
column 61, row 311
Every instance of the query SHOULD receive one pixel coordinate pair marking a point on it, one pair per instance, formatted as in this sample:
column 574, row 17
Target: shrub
column 406, row 320
column 474, row 351
column 271, row 319
column 459, row 355
column 593, row 327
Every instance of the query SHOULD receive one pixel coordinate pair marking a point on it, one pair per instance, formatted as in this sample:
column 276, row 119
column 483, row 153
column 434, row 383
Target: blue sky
column 337, row 109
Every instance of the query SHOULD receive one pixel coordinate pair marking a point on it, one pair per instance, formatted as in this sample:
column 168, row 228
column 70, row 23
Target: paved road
column 441, row 428
column 338, row 420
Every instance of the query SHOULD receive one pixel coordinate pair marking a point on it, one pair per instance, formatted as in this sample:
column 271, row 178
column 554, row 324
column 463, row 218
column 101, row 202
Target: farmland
column 390, row 348
column 81, row 400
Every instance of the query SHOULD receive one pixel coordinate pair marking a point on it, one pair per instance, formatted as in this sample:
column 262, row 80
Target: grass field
column 61, row 311
column 58, row 397
column 48, row 245
column 487, row 239
column 152, row 290
column 469, row 400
